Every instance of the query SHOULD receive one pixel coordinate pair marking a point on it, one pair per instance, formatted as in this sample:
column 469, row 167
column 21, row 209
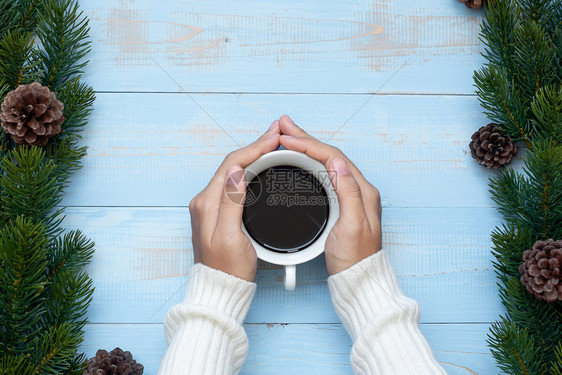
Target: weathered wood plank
column 301, row 348
column 290, row 46
column 143, row 255
column 162, row 149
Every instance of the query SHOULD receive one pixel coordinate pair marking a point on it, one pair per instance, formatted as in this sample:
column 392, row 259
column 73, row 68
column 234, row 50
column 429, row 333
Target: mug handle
column 290, row 277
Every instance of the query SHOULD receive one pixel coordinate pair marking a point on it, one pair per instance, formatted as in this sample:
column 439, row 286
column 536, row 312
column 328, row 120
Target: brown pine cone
column 31, row 114
column 540, row 270
column 491, row 148
column 116, row 362
column 474, row 4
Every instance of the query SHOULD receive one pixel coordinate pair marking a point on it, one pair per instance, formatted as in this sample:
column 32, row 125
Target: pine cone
column 491, row 148
column 31, row 114
column 540, row 270
column 474, row 4
column 115, row 362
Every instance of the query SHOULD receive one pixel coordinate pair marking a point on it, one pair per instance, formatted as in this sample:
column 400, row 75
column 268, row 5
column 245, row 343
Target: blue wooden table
column 182, row 83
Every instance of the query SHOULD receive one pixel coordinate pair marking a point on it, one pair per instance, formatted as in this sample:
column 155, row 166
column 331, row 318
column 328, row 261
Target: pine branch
column 7, row 16
column 540, row 319
column 28, row 11
column 30, row 188
column 67, row 156
column 533, row 60
column 514, row 351
column 15, row 365
column 557, row 38
column 71, row 252
column 501, row 102
column 3, row 90
column 533, row 199
column 55, row 350
column 509, row 242
column 78, row 99
column 547, row 110
column 63, row 32
column 539, row 11
column 497, row 33
column 22, row 273
column 70, row 295
column 18, row 59
column 543, row 167
column 557, row 363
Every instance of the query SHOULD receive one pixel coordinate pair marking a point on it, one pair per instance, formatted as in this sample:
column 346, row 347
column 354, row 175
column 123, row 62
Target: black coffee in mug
column 286, row 208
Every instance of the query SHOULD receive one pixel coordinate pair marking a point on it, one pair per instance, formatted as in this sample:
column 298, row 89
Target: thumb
column 348, row 191
column 232, row 202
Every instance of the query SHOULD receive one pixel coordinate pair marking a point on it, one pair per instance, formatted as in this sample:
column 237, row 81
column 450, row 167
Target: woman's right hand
column 357, row 232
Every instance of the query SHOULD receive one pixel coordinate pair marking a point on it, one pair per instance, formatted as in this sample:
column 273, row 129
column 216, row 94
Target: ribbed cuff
column 364, row 290
column 216, row 290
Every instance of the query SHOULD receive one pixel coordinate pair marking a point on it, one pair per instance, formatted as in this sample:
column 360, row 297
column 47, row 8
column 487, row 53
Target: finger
column 352, row 208
column 320, row 151
column 232, row 201
column 245, row 156
column 288, row 127
column 326, row 154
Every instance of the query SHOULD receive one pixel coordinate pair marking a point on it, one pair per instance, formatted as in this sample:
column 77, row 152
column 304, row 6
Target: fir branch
column 3, row 90
column 509, row 243
column 513, row 349
column 63, row 32
column 28, row 11
column 78, row 99
column 532, row 60
column 23, row 267
column 557, row 41
column 539, row 11
column 8, row 17
column 543, row 167
column 497, row 33
column 70, row 295
column 73, row 252
column 557, row 363
column 534, row 198
column 547, row 110
column 501, row 102
column 18, row 59
column 67, row 156
column 540, row 319
column 56, row 349
column 30, row 188
column 15, row 365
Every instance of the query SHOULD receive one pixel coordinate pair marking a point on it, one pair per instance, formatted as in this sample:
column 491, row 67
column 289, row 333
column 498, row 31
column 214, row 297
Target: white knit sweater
column 206, row 336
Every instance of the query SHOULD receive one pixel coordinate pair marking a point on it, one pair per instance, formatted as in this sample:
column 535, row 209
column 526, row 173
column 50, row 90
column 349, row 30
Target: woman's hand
column 216, row 212
column 357, row 232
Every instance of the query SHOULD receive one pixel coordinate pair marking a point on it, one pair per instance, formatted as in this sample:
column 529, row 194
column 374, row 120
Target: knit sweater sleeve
column 382, row 322
column 204, row 332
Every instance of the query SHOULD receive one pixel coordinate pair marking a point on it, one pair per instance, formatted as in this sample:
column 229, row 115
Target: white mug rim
column 314, row 167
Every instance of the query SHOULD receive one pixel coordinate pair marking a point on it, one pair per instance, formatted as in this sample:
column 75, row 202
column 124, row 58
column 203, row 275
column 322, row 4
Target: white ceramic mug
column 316, row 169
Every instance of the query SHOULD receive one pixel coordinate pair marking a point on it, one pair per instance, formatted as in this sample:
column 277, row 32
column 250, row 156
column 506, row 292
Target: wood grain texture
column 301, row 348
column 290, row 46
column 162, row 149
column 152, row 148
column 440, row 256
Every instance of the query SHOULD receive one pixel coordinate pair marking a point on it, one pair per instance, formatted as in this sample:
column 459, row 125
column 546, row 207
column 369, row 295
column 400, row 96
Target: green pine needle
column 23, row 267
column 19, row 62
column 513, row 349
column 501, row 102
column 63, row 32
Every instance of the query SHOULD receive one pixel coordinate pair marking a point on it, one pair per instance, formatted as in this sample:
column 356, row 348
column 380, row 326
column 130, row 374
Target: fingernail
column 340, row 166
column 273, row 125
column 290, row 120
column 235, row 177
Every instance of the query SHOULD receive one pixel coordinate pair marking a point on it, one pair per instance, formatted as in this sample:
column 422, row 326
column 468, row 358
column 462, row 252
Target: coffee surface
column 286, row 208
